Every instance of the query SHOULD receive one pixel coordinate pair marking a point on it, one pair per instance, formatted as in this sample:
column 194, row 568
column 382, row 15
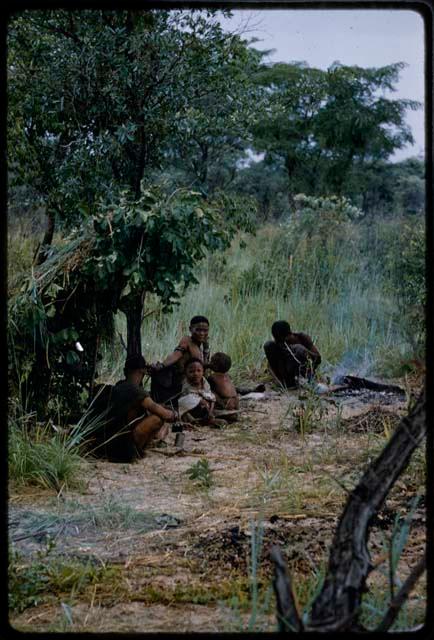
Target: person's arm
column 157, row 409
column 211, row 409
column 177, row 354
column 308, row 343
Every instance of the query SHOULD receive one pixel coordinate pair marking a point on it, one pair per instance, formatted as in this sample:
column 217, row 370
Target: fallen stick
column 185, row 453
column 164, row 452
column 354, row 382
column 191, row 453
column 301, row 516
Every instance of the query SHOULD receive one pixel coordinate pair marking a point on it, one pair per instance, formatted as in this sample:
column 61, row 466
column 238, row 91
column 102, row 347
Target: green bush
column 46, row 456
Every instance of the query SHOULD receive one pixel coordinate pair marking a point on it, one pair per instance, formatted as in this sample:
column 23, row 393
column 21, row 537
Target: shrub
column 46, row 456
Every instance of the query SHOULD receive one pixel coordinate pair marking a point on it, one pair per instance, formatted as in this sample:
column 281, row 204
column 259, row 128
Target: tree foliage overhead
column 97, row 98
column 111, row 262
column 321, row 124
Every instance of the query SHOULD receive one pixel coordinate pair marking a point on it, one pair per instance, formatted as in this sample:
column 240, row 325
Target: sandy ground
column 183, row 551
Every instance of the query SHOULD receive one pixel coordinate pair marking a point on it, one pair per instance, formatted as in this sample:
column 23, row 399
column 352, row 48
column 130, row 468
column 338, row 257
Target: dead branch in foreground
column 402, row 595
column 336, row 608
column 287, row 613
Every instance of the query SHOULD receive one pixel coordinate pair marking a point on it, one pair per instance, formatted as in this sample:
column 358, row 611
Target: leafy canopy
column 322, row 123
column 155, row 244
column 99, row 98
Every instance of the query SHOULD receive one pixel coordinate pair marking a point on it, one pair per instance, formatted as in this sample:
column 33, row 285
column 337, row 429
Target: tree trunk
column 337, row 606
column 42, row 252
column 290, row 165
column 133, row 314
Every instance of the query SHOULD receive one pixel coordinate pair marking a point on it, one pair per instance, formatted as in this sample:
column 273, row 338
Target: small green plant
column 46, row 577
column 310, row 412
column 261, row 602
column 201, row 473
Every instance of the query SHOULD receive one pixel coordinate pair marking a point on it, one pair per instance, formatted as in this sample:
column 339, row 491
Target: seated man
column 197, row 401
column 290, row 355
column 130, row 417
column 167, row 376
column 222, row 385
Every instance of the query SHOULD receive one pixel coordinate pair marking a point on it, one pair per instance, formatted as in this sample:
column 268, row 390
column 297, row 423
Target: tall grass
column 339, row 290
column 40, row 455
column 344, row 305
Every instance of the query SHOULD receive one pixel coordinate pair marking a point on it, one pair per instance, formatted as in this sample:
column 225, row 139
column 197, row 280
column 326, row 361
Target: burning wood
column 356, row 383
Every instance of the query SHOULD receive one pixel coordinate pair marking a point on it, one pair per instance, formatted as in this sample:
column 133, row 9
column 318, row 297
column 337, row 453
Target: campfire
column 365, row 390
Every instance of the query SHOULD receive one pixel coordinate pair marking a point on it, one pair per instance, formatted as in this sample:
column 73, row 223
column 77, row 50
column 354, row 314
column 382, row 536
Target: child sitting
column 197, row 400
column 222, row 385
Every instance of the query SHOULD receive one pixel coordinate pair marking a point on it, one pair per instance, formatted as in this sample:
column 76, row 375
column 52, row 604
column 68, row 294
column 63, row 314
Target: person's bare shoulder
column 305, row 339
column 184, row 343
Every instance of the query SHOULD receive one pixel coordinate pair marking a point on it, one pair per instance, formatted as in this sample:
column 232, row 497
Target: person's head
column 199, row 327
column 280, row 330
column 135, row 366
column 220, row 362
column 194, row 371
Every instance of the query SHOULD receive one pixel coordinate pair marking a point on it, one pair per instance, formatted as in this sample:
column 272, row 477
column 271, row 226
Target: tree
column 296, row 94
column 322, row 124
column 267, row 182
column 215, row 129
column 97, row 98
column 389, row 188
column 121, row 254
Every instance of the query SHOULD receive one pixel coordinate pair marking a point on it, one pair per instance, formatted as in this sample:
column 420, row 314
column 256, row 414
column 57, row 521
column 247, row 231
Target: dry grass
column 186, row 576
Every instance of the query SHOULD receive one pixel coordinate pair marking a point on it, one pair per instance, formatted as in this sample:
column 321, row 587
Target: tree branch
column 287, row 613
column 401, row 596
column 349, row 562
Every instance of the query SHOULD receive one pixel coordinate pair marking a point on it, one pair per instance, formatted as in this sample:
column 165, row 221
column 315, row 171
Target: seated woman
column 197, row 401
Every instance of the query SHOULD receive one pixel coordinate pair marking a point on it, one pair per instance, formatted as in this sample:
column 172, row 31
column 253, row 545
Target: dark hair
column 220, row 362
column 191, row 360
column 132, row 363
column 197, row 319
column 280, row 329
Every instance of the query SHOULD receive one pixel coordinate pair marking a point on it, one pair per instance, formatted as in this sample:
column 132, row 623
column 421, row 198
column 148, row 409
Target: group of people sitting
column 129, row 418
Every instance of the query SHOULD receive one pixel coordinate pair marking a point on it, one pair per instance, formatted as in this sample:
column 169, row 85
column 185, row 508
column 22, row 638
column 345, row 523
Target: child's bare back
column 221, row 383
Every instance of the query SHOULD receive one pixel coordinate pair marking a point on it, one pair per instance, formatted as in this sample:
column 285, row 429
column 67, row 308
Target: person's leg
column 200, row 414
column 243, row 391
column 282, row 363
column 163, row 432
column 305, row 364
column 145, row 430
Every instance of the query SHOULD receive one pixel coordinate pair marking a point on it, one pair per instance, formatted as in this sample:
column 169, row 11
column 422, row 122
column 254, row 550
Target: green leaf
column 72, row 358
column 126, row 291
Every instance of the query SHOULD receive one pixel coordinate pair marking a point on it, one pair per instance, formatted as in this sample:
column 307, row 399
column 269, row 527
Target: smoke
column 355, row 362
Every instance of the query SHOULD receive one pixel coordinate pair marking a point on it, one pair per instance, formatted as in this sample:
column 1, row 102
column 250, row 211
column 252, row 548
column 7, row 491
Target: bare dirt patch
column 182, row 548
